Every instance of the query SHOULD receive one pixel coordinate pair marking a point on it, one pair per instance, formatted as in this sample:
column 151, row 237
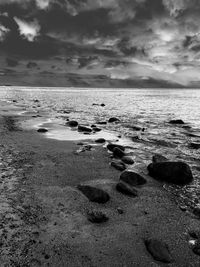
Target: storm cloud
column 129, row 39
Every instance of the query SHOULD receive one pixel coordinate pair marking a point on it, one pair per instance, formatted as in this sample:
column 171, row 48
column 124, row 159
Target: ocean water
column 150, row 109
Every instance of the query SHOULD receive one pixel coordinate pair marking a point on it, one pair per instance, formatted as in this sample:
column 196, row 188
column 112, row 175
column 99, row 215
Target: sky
column 125, row 43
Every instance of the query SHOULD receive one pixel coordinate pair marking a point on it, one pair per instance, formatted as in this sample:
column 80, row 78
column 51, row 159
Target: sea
column 143, row 114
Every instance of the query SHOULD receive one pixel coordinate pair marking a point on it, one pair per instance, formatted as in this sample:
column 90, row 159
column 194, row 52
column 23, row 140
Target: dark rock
column 72, row 123
column 196, row 211
column 93, row 126
column 112, row 146
column 127, row 160
column 80, row 144
column 158, row 250
column 132, row 178
column 84, row 129
column 96, row 129
column 136, row 128
column 126, row 189
column 97, row 217
column 102, row 122
column 195, row 145
column 102, row 105
column 171, row 172
column 36, row 101
column 176, row 122
column 196, row 249
column 113, row 120
column 100, row 141
column 120, row 166
column 186, row 127
column 159, row 158
column 120, row 210
column 94, row 194
column 42, row 130
column 118, row 153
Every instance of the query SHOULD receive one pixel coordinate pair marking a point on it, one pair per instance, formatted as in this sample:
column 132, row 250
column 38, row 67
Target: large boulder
column 112, row 146
column 172, row 172
column 158, row 250
column 94, row 194
column 118, row 153
column 84, row 129
column 120, row 166
column 126, row 189
column 176, row 121
column 132, row 178
column 159, row 158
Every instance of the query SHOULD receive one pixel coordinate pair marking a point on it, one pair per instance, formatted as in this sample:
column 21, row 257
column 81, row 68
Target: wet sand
column 44, row 216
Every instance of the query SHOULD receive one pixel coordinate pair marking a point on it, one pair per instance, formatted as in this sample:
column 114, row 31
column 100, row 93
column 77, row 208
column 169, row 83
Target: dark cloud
column 127, row 39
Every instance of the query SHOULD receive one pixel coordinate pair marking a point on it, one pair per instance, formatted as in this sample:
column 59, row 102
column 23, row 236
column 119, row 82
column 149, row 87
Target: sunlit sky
column 122, row 40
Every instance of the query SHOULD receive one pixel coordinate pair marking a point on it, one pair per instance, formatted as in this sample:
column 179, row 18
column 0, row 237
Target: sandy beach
column 44, row 217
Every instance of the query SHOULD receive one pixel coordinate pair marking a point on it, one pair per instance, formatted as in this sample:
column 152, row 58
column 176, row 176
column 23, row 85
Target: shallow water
column 147, row 108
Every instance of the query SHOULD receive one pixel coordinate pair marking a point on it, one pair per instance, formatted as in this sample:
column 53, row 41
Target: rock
column 94, row 194
column 96, row 129
column 187, row 127
column 42, row 130
column 196, row 211
column 93, row 126
column 72, row 123
column 97, row 217
column 158, row 250
column 80, row 144
column 113, row 120
column 112, row 146
column 195, row 145
column 183, row 208
column 127, row 160
column 126, row 189
column 118, row 153
column 120, row 166
column 100, row 141
column 120, row 210
column 136, row 128
column 101, row 122
column 102, row 105
column 84, row 129
column 172, row 172
column 176, row 122
column 132, row 178
column 196, row 249
column 159, row 158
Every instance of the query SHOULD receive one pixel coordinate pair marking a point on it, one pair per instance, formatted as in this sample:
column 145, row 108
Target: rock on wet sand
column 132, row 178
column 159, row 158
column 72, row 123
column 127, row 160
column 97, row 217
column 126, row 189
column 84, row 129
column 171, row 172
column 94, row 194
column 112, row 146
column 118, row 165
column 158, row 250
column 176, row 121
column 118, row 153
column 42, row 130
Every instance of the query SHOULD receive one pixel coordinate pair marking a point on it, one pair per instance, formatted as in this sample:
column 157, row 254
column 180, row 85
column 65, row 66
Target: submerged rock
column 171, row 172
column 117, row 152
column 97, row 217
column 42, row 130
column 132, row 178
column 94, row 194
column 84, row 129
column 127, row 160
column 126, row 189
column 158, row 250
column 120, row 166
column 176, row 122
column 159, row 158
column 100, row 141
column 195, row 145
column 112, row 146
column 113, row 120
column 72, row 123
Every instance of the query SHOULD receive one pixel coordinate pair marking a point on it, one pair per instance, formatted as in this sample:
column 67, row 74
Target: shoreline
column 47, row 214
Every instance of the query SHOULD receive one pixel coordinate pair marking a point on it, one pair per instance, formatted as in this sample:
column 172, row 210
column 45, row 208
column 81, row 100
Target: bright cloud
column 30, row 30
